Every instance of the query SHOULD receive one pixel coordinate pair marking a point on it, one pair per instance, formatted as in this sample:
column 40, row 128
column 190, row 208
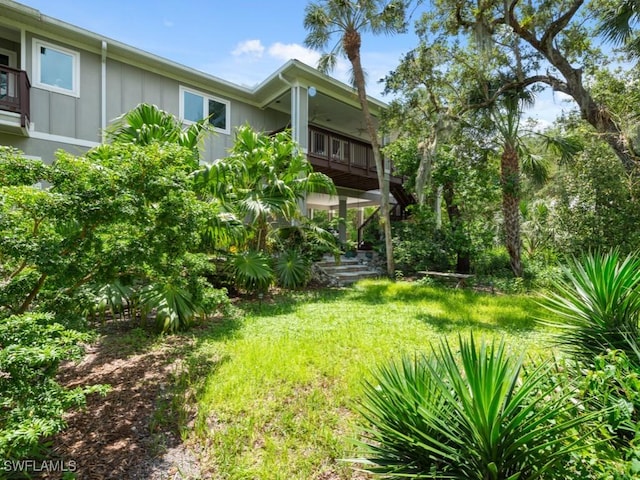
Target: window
column 194, row 106
column 56, row 68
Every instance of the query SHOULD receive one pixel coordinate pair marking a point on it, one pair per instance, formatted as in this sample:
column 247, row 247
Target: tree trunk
column 32, row 295
column 463, row 261
column 510, row 178
column 351, row 42
column 423, row 174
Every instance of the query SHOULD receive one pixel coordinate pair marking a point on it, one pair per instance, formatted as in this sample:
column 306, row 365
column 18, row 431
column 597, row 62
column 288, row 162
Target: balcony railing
column 14, row 93
column 342, row 152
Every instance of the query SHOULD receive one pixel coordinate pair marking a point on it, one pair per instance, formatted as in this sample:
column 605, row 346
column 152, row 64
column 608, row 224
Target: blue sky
column 242, row 41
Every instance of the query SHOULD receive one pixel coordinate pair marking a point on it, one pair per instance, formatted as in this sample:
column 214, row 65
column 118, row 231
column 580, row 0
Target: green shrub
column 32, row 403
column 494, row 262
column 474, row 415
column 598, row 305
column 611, row 386
column 419, row 245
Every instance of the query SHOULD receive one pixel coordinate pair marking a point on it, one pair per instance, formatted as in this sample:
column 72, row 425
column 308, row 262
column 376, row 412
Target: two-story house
column 61, row 85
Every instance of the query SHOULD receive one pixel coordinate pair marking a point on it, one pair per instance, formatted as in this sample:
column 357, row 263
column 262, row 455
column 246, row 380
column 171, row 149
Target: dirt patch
column 130, row 432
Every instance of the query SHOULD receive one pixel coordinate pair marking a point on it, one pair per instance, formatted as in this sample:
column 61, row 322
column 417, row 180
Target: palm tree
column 262, row 181
column 147, row 123
column 617, row 21
column 507, row 121
column 516, row 158
column 347, row 20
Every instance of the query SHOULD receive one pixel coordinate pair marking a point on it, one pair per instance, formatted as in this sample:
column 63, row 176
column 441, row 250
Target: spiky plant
column 598, row 305
column 475, row 414
column 292, row 269
column 253, row 271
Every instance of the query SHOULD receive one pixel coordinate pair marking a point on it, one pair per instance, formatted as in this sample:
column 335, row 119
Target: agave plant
column 476, row 415
column 598, row 305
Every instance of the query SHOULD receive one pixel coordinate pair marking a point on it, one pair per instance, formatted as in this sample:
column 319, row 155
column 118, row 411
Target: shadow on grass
column 448, row 325
column 286, row 302
column 509, row 313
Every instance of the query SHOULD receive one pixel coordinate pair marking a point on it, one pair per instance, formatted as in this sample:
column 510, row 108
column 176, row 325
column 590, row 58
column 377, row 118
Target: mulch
column 116, row 436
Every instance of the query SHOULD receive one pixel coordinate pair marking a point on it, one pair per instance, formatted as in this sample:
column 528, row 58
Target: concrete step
column 348, row 270
column 343, row 262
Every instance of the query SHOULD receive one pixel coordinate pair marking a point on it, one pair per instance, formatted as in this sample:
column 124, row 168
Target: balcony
column 349, row 162
column 14, row 100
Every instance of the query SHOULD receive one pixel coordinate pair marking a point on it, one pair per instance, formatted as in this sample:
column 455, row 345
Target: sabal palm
column 345, row 21
column 507, row 117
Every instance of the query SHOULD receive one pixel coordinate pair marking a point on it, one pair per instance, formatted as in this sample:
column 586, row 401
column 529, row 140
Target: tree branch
column 558, row 25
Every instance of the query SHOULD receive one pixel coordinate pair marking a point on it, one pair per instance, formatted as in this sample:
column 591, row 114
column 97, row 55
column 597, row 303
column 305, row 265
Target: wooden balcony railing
column 14, row 93
column 342, row 151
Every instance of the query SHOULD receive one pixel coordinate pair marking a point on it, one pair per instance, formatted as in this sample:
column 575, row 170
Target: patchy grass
column 277, row 399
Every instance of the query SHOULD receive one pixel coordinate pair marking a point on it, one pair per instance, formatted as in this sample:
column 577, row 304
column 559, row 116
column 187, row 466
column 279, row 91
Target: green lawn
column 277, row 386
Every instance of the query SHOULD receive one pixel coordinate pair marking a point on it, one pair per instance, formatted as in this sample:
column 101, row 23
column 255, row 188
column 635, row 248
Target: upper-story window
column 56, row 68
column 194, row 106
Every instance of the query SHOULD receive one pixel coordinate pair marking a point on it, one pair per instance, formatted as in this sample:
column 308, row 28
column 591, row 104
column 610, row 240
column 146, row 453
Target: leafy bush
column 610, row 386
column 478, row 414
column 494, row 262
column 32, row 403
column 598, row 305
column 419, row 245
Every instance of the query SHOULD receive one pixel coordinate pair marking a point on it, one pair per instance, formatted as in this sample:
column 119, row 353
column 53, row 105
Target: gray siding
column 58, row 114
column 44, row 149
column 127, row 85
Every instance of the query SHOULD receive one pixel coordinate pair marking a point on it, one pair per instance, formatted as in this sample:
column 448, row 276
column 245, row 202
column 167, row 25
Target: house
column 61, row 85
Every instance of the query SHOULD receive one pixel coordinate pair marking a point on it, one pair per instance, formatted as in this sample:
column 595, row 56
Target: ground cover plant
column 280, row 398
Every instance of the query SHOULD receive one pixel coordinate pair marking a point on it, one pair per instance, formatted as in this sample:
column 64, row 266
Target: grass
column 278, row 396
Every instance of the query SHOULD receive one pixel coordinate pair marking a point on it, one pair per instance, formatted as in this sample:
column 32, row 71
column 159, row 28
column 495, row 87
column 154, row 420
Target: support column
column 300, row 124
column 342, row 213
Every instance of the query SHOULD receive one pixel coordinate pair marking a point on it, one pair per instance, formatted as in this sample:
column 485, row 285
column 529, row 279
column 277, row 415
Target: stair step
column 331, row 263
column 348, row 270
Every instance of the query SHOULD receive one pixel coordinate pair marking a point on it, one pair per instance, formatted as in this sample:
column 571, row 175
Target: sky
column 242, row 41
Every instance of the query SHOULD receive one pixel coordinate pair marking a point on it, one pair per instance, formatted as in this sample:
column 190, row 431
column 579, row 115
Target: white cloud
column 282, row 51
column 253, row 48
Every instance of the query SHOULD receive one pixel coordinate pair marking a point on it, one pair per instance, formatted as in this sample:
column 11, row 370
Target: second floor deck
column 348, row 161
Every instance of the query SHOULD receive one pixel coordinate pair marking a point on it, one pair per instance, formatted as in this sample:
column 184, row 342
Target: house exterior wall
column 73, row 123
column 42, row 149
column 60, row 114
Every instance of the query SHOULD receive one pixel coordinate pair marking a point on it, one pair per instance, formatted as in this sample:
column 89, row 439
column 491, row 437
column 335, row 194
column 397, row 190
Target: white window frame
column 75, row 65
column 205, row 100
column 13, row 62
